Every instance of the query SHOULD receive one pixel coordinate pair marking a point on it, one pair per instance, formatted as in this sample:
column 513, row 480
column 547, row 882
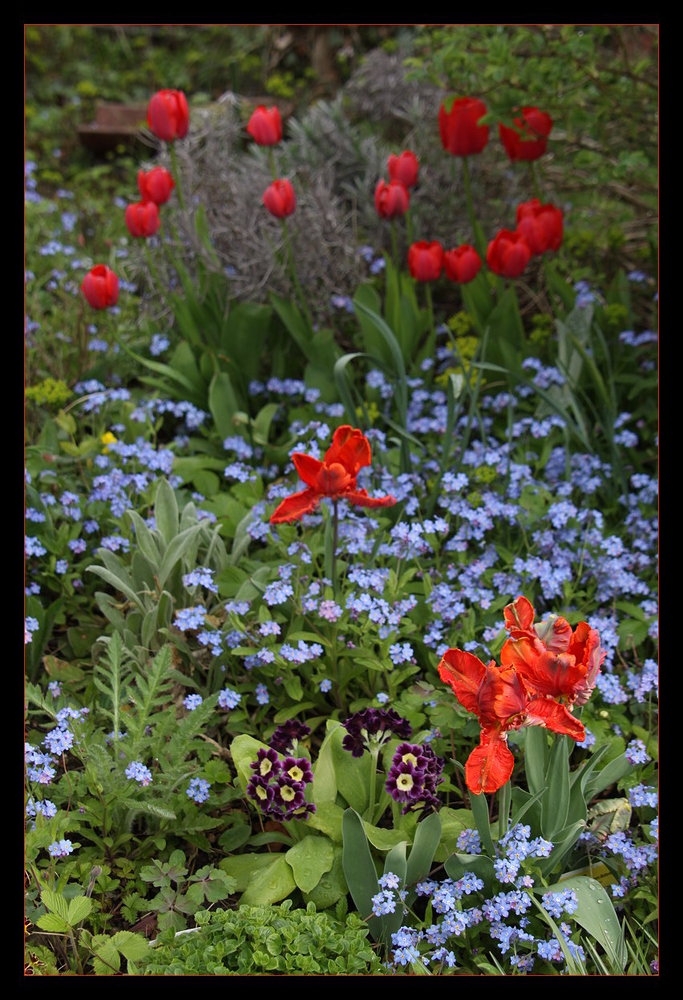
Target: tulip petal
column 464, row 672
column 307, row 467
column 295, row 506
column 519, row 617
column 334, row 479
column 350, row 448
column 360, row 498
column 556, row 717
column 490, row 765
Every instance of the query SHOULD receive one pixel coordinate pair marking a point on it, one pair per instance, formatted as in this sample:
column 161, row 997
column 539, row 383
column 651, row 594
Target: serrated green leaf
column 79, row 908
column 56, row 903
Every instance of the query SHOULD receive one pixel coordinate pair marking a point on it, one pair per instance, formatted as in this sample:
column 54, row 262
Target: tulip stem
column 335, row 539
column 476, row 231
column 176, row 177
column 535, row 181
column 431, row 341
column 152, row 265
column 295, row 279
column 397, row 262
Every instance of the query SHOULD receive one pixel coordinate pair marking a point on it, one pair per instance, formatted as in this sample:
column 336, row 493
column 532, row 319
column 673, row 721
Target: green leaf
column 244, row 868
column 132, row 946
column 596, row 914
column 55, row 902
column 327, row 818
column 144, row 539
column 119, row 580
column 535, row 757
column 359, row 869
column 271, row 884
column 223, row 404
column 244, row 750
column 609, row 775
column 555, row 802
column 395, row 862
column 53, row 922
column 382, row 838
column 352, row 774
column 177, row 548
column 79, row 908
column 480, row 811
column 425, row 842
column 107, row 960
column 332, row 885
column 457, row 864
column 309, row 859
column 166, row 511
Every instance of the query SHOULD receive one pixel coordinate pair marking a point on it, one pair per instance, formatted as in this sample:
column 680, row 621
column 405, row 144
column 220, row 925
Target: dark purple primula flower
column 287, row 735
column 413, row 776
column 371, row 728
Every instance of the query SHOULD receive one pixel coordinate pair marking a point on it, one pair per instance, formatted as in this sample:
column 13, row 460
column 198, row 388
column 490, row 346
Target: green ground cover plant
column 341, row 593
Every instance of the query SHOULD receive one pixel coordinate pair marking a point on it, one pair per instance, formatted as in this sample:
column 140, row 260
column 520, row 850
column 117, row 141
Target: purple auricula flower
column 267, row 763
column 413, row 776
column 371, row 728
column 287, row 735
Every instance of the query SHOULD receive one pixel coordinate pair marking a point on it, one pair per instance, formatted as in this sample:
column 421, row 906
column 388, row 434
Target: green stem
column 335, row 540
column 374, row 753
column 431, row 340
column 535, row 182
column 397, row 262
column 176, row 177
column 476, row 231
column 295, row 279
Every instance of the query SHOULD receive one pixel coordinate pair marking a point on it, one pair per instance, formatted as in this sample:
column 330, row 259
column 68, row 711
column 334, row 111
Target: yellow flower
column 106, row 439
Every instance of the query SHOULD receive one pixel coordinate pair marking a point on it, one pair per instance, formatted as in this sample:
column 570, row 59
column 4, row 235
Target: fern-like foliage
column 150, row 694
column 111, row 675
column 196, row 722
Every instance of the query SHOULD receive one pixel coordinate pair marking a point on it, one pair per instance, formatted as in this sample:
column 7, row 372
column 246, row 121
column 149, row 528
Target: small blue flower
column 60, row 848
column 229, row 699
column 138, row 772
column 198, row 790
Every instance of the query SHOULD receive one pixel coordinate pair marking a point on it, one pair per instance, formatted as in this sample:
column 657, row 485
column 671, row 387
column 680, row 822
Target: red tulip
column 404, row 168
column 553, row 660
column 425, row 260
column 540, row 225
column 168, row 115
column 391, row 199
column 501, row 700
column 527, row 141
column 461, row 134
column 508, row 254
column 101, row 287
column 142, row 219
column 279, row 199
column 265, row 125
column 334, row 477
column 156, row 185
column 462, row 264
